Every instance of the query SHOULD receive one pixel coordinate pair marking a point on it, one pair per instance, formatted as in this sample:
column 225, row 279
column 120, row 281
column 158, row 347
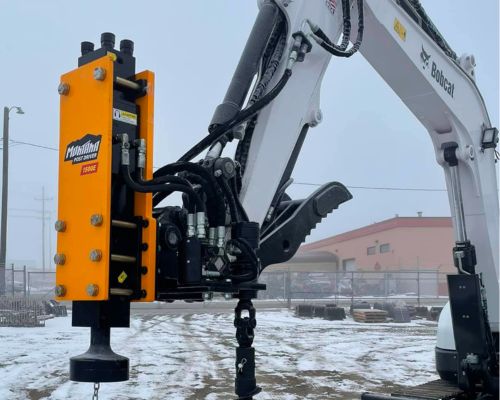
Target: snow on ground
column 191, row 356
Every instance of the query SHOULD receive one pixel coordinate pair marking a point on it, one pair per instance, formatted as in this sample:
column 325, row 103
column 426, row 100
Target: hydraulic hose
column 250, row 256
column 346, row 33
column 207, row 181
column 233, row 208
column 164, row 179
column 240, row 118
column 170, row 188
column 241, row 209
column 327, row 44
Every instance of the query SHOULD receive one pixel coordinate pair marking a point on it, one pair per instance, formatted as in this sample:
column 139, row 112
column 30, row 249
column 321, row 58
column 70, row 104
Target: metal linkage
column 245, row 382
column 95, row 396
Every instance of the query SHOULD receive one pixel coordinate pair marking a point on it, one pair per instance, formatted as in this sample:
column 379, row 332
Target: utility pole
column 5, row 194
column 43, row 199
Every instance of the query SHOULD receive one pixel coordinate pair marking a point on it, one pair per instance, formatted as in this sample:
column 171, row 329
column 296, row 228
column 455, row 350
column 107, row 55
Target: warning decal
column 124, row 116
column 122, row 277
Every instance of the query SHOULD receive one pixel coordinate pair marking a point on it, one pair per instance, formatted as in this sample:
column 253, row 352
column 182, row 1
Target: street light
column 5, row 188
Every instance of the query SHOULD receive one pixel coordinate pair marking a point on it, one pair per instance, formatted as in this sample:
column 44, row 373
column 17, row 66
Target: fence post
column 13, row 277
column 437, row 283
column 418, row 287
column 336, row 286
column 29, row 284
column 289, row 288
column 352, row 287
column 24, row 280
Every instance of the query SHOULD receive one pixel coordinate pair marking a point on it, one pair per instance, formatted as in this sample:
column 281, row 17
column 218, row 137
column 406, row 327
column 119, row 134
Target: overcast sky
column 367, row 138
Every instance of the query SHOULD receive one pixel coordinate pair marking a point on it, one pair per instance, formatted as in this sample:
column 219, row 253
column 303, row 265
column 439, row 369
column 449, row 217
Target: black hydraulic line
column 171, row 187
column 334, row 50
column 251, row 256
column 243, row 148
column 241, row 209
column 240, row 118
column 346, row 33
column 164, row 179
column 208, row 182
column 248, row 65
column 216, row 214
column 233, row 208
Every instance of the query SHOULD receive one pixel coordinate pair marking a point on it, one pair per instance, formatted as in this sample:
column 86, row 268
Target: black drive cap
column 108, row 40
column 86, row 47
column 127, row 47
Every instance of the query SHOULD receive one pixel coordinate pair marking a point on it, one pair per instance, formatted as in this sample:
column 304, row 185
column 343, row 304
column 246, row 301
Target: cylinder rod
column 458, row 205
column 123, row 224
column 128, row 84
column 122, row 259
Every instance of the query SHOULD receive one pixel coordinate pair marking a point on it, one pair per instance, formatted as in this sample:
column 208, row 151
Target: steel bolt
column 60, row 290
column 63, row 89
column 95, row 255
column 99, row 74
column 59, row 259
column 92, row 289
column 96, row 220
column 229, row 167
column 60, row 226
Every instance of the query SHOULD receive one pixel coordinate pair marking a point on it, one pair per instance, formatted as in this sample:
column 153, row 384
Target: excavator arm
column 118, row 242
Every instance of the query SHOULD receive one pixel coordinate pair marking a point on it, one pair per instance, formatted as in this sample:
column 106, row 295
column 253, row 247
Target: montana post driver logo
column 437, row 73
column 83, row 150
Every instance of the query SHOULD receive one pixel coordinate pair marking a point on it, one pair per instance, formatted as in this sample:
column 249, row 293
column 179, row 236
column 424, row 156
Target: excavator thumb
column 296, row 219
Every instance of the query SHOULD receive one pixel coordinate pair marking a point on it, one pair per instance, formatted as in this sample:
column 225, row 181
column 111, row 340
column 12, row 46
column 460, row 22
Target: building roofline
column 392, row 223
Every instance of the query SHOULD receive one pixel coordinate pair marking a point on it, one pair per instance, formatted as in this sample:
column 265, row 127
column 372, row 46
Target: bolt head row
column 91, row 289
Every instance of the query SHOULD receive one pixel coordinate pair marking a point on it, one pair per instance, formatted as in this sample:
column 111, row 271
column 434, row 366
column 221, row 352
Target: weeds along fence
column 413, row 286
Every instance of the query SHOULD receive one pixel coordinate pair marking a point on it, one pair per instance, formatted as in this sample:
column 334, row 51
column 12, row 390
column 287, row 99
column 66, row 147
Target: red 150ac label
column 89, row 169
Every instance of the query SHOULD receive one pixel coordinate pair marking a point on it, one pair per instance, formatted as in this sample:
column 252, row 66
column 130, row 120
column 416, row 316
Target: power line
column 401, row 189
column 34, row 145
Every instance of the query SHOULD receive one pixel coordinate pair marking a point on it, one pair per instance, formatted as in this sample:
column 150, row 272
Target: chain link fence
column 414, row 286
column 19, row 281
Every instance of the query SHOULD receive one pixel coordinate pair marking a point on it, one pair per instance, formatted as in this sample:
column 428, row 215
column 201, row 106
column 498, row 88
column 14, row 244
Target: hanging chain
column 95, row 396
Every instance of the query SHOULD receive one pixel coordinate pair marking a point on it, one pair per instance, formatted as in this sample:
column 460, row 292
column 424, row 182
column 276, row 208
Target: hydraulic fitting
column 125, row 149
column 200, row 225
column 221, row 237
column 141, row 154
column 191, row 231
column 212, row 236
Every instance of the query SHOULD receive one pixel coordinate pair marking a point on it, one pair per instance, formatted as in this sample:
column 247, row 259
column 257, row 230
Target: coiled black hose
column 327, row 44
